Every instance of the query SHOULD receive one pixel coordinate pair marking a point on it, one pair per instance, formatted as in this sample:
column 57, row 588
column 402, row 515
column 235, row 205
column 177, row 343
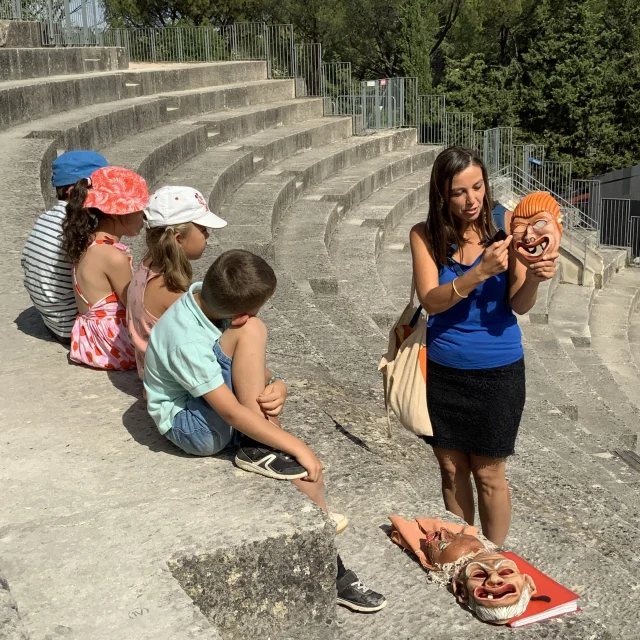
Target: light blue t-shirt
column 179, row 361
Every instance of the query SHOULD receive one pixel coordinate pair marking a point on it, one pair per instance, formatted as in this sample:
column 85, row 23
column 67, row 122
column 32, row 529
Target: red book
column 561, row 599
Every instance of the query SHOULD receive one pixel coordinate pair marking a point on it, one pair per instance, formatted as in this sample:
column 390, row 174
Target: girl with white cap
column 177, row 221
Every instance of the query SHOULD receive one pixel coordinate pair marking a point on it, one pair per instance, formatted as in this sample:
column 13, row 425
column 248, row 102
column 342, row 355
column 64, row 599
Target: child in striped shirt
column 47, row 272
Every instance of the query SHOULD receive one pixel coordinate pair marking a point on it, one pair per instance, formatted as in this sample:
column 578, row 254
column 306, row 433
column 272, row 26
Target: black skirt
column 476, row 410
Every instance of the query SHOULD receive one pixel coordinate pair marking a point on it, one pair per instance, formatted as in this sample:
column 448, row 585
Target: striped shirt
column 47, row 273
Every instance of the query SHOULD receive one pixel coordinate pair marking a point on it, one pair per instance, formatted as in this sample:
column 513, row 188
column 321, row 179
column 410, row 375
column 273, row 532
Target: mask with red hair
column 536, row 226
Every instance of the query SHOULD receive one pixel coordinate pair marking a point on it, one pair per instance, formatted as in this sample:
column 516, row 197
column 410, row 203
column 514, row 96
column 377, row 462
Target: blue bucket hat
column 71, row 166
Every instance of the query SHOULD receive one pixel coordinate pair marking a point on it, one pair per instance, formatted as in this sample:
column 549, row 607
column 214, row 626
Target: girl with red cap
column 101, row 210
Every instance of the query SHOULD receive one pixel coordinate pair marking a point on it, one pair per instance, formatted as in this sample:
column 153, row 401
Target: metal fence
column 459, row 130
column 615, row 223
column 585, row 195
column 495, row 147
column 557, row 177
column 177, row 44
column 432, row 119
column 308, row 70
column 389, row 103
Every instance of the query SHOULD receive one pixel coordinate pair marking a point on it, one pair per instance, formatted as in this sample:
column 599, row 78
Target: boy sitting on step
column 47, row 272
column 204, row 369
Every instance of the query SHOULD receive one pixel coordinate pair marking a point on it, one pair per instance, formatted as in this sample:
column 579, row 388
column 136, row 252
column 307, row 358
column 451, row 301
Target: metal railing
column 432, row 119
column 459, row 131
column 308, row 70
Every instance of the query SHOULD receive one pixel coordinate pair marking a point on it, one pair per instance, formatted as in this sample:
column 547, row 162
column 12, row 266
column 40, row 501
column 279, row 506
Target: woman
column 470, row 287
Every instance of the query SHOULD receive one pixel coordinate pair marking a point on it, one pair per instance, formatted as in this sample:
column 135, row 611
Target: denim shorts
column 198, row 429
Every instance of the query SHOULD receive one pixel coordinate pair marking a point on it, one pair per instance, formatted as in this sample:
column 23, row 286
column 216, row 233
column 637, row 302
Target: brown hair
column 80, row 224
column 442, row 228
column 62, row 193
column 168, row 257
column 237, row 282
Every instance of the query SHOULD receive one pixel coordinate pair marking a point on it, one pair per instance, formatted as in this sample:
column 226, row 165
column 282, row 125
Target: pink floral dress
column 99, row 337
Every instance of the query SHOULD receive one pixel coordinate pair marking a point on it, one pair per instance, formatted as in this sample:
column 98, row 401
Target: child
column 100, row 211
column 177, row 219
column 47, row 273
column 204, row 370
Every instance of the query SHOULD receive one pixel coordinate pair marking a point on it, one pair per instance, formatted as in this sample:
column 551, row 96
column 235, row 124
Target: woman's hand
column 495, row 259
column 272, row 399
column 544, row 269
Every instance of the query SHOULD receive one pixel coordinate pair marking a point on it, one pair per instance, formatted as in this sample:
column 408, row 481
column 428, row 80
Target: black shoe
column 358, row 597
column 259, row 458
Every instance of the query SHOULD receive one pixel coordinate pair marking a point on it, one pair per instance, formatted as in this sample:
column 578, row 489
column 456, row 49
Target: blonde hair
column 168, row 257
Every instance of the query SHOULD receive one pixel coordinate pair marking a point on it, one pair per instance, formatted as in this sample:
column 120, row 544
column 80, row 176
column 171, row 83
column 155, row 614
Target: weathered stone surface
column 11, row 627
column 20, row 33
column 24, row 63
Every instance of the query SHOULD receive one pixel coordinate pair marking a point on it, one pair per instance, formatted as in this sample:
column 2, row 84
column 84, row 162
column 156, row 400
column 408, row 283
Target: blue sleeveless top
column 478, row 332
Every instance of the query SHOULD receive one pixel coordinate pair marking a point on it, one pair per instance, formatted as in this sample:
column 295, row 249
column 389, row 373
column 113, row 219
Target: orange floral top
column 99, row 337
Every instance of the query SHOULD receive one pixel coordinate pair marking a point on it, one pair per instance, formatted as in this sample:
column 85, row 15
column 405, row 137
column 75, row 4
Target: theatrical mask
column 493, row 588
column 536, row 227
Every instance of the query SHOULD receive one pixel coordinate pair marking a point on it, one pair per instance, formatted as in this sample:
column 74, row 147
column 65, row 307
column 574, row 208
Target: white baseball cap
column 178, row 205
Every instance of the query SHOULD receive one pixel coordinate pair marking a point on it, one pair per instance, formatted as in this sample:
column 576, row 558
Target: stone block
column 20, row 33
column 270, row 588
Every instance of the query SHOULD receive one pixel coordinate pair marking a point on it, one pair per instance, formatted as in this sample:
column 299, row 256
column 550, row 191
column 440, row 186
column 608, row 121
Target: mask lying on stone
column 493, row 588
column 442, row 548
column 536, row 226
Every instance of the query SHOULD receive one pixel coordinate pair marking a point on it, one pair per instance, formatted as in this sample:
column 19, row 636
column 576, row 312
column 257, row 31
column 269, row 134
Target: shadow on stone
column 143, row 430
column 30, row 323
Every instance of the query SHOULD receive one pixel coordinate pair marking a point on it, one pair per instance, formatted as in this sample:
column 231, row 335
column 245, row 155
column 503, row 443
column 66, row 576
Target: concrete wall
column 623, row 183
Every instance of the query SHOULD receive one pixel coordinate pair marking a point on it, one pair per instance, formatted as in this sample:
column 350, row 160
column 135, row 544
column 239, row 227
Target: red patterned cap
column 117, row 191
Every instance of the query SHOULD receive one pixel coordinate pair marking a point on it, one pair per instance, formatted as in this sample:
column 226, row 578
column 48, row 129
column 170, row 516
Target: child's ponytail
column 168, row 257
column 80, row 224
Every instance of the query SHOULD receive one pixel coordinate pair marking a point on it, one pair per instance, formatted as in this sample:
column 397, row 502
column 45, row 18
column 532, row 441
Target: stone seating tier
column 25, row 63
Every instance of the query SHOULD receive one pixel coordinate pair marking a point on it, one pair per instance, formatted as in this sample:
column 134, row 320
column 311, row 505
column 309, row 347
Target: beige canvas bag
column 404, row 370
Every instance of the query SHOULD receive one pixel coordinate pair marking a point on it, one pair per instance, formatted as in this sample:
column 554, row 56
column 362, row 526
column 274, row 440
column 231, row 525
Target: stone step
column 394, row 258
column 25, row 63
column 154, row 153
column 219, row 171
column 246, row 121
column 25, row 100
column 100, row 126
column 355, row 244
column 256, row 208
column 609, row 322
column 569, row 313
column 313, row 220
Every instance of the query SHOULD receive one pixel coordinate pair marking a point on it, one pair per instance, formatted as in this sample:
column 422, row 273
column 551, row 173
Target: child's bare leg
column 247, row 347
column 313, row 490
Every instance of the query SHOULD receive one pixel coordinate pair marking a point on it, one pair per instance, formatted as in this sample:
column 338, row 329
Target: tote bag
column 404, row 370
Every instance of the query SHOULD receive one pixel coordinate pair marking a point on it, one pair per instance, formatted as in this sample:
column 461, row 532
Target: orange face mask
column 536, row 227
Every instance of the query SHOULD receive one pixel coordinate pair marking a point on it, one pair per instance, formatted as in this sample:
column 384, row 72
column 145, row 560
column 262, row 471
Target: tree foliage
column 564, row 73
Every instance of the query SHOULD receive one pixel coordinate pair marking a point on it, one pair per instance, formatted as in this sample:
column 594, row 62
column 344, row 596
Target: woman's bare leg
column 457, row 490
column 494, row 499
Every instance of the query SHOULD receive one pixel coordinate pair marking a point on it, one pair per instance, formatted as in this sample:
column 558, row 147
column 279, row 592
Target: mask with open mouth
column 493, row 588
column 536, row 226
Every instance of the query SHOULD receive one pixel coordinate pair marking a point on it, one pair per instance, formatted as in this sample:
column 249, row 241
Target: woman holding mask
column 471, row 285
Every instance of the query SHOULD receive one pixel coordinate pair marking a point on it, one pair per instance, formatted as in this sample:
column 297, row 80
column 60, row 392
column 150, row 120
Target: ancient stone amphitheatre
column 106, row 533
